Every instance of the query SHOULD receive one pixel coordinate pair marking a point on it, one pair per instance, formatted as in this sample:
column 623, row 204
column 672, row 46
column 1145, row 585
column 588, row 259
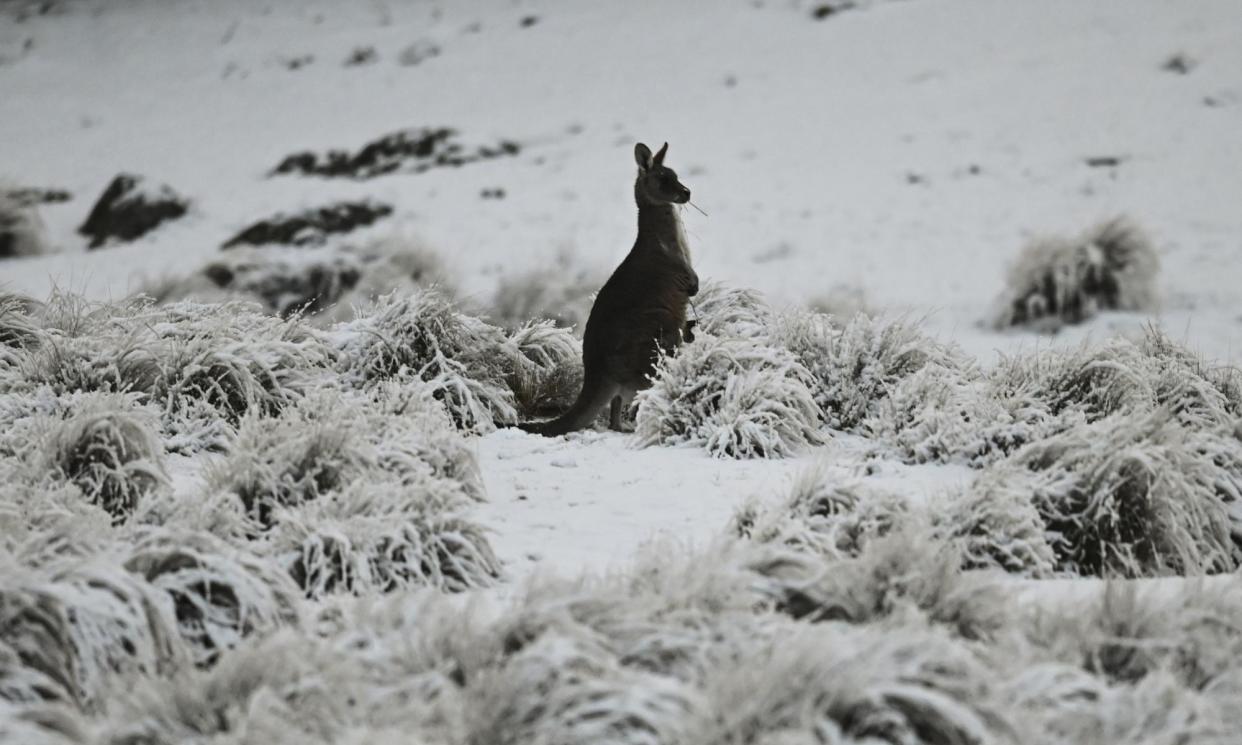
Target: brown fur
column 641, row 309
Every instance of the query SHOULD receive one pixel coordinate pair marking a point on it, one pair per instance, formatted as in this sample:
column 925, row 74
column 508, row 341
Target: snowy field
column 956, row 455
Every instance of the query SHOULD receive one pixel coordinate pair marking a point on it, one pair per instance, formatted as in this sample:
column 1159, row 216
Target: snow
column 897, row 156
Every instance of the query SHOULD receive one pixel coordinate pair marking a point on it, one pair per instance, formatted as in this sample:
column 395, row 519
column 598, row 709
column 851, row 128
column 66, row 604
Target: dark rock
column 362, row 56
column 30, row 197
column 1103, row 161
column 529, row 21
column 418, row 52
column 1178, row 64
column 127, row 210
column 408, row 151
column 312, row 226
column 827, row 10
column 221, row 275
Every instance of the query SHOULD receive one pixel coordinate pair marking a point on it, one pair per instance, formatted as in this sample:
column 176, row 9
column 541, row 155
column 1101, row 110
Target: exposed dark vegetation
column 129, row 209
column 407, row 151
column 1056, row 281
column 311, row 227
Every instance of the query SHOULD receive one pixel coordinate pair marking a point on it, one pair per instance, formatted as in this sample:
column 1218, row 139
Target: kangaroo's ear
column 642, row 155
column 659, row 157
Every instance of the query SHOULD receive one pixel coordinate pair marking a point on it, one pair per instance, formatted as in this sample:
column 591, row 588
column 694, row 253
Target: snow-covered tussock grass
column 729, row 311
column 735, row 397
column 465, row 360
column 896, row 644
column 548, row 376
column 1133, row 494
column 989, row 525
column 829, row 515
column 203, row 366
column 71, row 632
column 856, row 366
column 943, row 414
column 375, row 537
column 361, row 492
column 220, row 594
column 108, row 448
column 1112, row 266
column 1155, row 371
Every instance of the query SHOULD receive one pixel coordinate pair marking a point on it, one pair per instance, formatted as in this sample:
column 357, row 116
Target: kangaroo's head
column 657, row 184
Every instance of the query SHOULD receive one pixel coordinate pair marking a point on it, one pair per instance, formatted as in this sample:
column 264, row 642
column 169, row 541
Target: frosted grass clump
column 1058, row 281
column 203, row 366
column 944, row 414
column 995, row 526
column 1125, row 633
column 80, row 628
column 413, row 435
column 1135, row 495
column 464, row 360
column 857, row 366
column 730, row 312
column 547, row 377
column 377, row 537
column 830, row 516
column 909, row 571
column 1137, row 375
column 565, row 689
column 219, row 594
column 106, row 446
column 220, row 362
column 833, row 683
column 283, row 461
column 735, row 398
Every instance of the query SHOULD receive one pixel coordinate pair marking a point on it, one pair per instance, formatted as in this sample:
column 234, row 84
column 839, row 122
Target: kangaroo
column 641, row 309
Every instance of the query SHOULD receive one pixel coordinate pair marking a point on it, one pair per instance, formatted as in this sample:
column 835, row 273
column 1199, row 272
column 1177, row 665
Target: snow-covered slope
column 906, row 149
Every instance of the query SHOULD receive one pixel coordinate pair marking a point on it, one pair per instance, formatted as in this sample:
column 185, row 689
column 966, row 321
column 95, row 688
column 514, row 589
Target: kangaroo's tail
column 595, row 395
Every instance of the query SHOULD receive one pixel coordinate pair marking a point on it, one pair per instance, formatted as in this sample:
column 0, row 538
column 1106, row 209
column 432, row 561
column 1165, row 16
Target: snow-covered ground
column 894, row 154
column 901, row 150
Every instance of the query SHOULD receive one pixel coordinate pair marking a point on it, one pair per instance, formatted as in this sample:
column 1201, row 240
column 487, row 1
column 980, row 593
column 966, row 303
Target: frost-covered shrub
column 283, row 461
column 1057, row 281
column 726, row 311
column 832, row 683
column 108, row 448
column 736, row 398
column 85, row 346
column 857, row 366
column 1125, row 633
column 220, row 362
column 1124, row 374
column 547, row 379
column 21, row 230
column 995, row 526
column 18, row 329
column 565, row 689
column 464, row 360
column 906, row 571
column 413, row 436
column 561, row 293
column 219, row 594
column 379, row 537
column 1134, row 495
column 79, row 629
column 832, row 518
column 940, row 414
column 38, row 724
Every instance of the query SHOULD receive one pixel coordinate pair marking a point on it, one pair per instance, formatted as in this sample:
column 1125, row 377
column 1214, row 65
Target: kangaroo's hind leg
column 620, row 407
